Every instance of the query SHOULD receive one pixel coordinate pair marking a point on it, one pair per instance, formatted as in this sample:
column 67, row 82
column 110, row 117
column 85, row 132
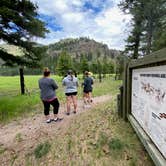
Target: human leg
column 68, row 102
column 74, row 100
column 85, row 98
column 55, row 104
column 46, row 111
column 90, row 97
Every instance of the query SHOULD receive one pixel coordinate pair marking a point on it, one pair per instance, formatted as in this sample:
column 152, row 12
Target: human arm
column 63, row 82
column 77, row 84
column 92, row 81
column 39, row 84
column 54, row 85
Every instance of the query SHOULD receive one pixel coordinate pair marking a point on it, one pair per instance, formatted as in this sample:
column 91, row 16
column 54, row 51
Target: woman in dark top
column 87, row 88
column 47, row 93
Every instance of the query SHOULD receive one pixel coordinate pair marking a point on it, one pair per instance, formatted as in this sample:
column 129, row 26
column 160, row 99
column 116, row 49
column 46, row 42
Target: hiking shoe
column 48, row 121
column 57, row 119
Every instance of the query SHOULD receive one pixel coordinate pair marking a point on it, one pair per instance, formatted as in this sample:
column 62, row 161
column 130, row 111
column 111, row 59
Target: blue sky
column 100, row 20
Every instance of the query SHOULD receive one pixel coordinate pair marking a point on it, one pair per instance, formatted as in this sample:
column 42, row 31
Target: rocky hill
column 77, row 47
column 74, row 47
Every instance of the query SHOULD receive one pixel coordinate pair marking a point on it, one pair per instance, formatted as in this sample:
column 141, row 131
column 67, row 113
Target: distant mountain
column 74, row 47
column 77, row 47
column 12, row 49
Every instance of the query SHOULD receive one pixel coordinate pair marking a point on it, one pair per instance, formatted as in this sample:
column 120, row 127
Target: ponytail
column 70, row 72
column 71, row 77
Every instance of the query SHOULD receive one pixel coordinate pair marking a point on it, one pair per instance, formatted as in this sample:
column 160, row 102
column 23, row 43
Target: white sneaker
column 88, row 106
column 48, row 121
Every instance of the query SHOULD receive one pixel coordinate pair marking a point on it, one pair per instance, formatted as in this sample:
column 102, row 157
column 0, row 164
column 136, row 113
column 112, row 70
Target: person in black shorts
column 87, row 88
column 71, row 84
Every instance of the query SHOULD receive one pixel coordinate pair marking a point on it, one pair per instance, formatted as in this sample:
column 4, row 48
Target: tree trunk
column 135, row 54
column 149, row 37
column 100, row 77
column 137, row 39
column 22, row 85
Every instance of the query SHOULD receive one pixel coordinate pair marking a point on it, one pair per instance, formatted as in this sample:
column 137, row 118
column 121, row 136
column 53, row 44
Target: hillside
column 10, row 49
column 77, row 47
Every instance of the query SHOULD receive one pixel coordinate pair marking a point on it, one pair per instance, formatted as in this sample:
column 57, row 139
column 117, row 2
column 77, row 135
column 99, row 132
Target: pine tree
column 135, row 8
column 64, row 63
column 99, row 69
column 84, row 64
column 154, row 15
column 104, row 66
column 18, row 24
column 148, row 32
column 93, row 67
column 111, row 67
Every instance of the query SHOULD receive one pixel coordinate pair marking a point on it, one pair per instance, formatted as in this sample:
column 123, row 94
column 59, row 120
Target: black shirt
column 88, row 81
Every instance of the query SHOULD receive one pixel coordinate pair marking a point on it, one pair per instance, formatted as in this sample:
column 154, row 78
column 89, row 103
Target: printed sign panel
column 149, row 103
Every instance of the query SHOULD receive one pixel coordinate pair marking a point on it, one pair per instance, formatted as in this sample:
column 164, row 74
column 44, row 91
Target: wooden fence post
column 22, row 85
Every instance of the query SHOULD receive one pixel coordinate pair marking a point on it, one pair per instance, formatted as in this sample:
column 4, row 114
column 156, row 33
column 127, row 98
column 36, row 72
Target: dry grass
column 97, row 137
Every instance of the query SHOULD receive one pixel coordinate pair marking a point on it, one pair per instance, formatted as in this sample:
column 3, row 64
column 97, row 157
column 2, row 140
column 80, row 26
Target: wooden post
column 121, row 101
column 22, row 81
column 129, row 91
column 125, row 84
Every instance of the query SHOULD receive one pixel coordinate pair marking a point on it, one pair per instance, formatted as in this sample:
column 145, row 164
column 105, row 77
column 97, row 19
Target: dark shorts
column 71, row 94
column 87, row 91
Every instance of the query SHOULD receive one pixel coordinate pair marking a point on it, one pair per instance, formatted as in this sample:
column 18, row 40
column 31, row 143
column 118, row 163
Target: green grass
column 18, row 137
column 2, row 150
column 42, row 149
column 115, row 144
column 12, row 107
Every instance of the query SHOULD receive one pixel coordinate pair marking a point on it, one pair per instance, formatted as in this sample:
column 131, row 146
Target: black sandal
column 68, row 113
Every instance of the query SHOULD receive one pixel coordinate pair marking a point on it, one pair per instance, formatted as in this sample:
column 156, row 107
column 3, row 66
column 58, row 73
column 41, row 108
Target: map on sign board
column 149, row 103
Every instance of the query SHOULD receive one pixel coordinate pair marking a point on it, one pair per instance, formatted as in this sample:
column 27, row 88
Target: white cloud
column 77, row 3
column 111, row 26
column 108, row 26
column 72, row 17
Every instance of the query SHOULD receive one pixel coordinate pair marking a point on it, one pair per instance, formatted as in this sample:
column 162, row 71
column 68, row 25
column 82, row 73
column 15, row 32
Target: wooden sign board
column 148, row 103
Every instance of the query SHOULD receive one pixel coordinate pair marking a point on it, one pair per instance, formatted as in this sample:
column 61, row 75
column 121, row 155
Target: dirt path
column 18, row 137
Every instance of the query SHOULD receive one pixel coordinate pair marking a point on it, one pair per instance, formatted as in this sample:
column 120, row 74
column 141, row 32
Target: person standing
column 48, row 96
column 87, row 88
column 71, row 83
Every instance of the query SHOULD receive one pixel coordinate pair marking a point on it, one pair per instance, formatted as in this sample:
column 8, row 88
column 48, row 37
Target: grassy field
column 13, row 105
column 95, row 138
